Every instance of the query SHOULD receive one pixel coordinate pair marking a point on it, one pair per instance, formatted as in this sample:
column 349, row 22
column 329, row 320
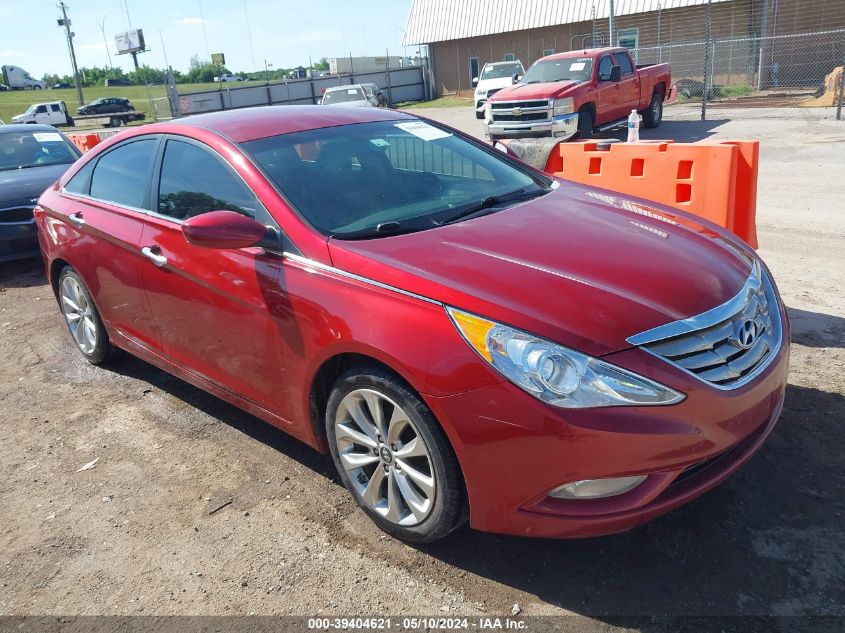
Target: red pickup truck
column 577, row 92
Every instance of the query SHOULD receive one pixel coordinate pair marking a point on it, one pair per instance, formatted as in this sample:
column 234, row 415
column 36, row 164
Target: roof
column 248, row 124
column 444, row 20
column 26, row 127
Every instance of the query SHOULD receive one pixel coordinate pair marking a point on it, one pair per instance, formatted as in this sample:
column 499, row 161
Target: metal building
column 462, row 35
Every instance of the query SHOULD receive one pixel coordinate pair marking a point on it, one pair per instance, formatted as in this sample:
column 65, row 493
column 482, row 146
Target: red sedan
column 469, row 338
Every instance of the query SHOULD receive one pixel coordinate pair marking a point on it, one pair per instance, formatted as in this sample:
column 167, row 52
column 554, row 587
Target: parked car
column 494, row 77
column 348, row 95
column 116, row 82
column 574, row 93
column 32, row 157
column 227, row 77
column 375, row 95
column 61, row 85
column 106, row 105
column 466, row 336
column 49, row 113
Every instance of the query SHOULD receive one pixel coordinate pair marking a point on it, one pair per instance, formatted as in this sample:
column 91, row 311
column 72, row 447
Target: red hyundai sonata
column 468, row 338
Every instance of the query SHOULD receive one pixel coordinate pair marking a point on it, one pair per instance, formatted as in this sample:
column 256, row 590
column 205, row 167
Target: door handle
column 76, row 219
column 158, row 260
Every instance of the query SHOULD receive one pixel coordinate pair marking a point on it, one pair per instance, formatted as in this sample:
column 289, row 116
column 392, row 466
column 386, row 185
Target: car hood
column 21, row 187
column 552, row 89
column 489, row 84
column 579, row 266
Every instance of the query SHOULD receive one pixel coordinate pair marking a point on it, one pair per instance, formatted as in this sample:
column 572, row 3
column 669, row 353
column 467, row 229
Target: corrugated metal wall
column 443, row 20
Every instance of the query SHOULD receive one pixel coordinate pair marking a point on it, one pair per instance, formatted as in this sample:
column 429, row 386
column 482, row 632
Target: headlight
column 555, row 374
column 564, row 106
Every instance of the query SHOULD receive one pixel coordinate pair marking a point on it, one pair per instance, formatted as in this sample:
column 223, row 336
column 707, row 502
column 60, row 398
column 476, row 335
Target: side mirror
column 616, row 73
column 516, row 77
column 223, row 229
column 474, row 82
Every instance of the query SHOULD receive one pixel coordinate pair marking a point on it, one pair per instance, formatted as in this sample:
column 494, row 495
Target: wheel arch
column 330, row 369
column 660, row 88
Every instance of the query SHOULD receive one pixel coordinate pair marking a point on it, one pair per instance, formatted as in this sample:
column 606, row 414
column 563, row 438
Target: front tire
column 585, row 124
column 653, row 115
column 393, row 457
column 83, row 320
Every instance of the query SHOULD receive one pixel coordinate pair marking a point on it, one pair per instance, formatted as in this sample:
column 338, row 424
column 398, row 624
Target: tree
column 323, row 64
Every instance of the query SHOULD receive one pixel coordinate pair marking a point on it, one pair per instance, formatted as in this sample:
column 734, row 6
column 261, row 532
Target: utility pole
column 610, row 21
column 65, row 22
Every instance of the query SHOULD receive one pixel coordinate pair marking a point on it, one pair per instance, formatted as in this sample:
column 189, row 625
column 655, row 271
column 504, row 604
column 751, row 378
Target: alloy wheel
column 79, row 315
column 385, row 457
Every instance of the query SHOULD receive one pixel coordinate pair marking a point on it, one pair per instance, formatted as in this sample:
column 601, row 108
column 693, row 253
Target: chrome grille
column 507, row 105
column 726, row 346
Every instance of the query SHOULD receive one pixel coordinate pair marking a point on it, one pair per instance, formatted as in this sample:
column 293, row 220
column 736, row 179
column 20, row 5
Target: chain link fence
column 755, row 77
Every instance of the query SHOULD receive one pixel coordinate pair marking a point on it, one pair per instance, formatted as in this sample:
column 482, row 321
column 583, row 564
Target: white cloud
column 13, row 54
column 189, row 21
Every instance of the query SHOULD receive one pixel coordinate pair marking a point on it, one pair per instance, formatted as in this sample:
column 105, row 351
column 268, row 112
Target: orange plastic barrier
column 716, row 180
column 86, row 141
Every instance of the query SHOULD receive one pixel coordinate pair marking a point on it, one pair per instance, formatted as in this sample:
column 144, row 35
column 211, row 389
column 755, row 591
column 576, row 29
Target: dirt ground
column 134, row 534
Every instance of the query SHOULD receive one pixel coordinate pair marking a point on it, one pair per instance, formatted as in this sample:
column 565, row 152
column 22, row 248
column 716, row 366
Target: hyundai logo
column 746, row 334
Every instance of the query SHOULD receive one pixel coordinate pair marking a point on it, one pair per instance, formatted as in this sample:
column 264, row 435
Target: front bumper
column 514, row 449
column 18, row 240
column 563, row 126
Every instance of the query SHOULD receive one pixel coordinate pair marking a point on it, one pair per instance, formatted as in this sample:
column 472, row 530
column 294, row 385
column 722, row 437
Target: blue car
column 32, row 157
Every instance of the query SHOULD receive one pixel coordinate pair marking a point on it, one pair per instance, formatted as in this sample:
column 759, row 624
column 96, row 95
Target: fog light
column 597, row 488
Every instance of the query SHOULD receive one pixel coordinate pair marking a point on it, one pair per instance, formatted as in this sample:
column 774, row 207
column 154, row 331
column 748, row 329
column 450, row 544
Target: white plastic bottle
column 634, row 127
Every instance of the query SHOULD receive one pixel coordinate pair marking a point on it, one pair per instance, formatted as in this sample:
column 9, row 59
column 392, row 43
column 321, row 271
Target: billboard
column 218, row 59
column 130, row 41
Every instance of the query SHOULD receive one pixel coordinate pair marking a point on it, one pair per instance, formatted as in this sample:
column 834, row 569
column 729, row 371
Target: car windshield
column 20, row 150
column 569, row 69
column 388, row 177
column 501, row 70
column 343, row 95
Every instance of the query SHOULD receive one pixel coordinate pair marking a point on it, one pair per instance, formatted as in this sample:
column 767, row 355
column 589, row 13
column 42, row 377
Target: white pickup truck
column 494, row 77
column 227, row 77
column 56, row 113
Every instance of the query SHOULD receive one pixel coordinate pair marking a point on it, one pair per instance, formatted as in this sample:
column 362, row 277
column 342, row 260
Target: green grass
column 442, row 102
column 15, row 102
column 732, row 92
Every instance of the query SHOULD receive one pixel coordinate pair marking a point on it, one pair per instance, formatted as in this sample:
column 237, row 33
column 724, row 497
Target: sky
column 283, row 32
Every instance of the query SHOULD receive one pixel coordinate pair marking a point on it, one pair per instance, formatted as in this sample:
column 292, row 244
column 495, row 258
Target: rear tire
column 82, row 318
column 393, row 457
column 585, row 124
column 114, row 121
column 653, row 115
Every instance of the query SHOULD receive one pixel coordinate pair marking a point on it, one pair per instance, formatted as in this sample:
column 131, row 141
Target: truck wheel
column 654, row 113
column 36, row 87
column 585, row 124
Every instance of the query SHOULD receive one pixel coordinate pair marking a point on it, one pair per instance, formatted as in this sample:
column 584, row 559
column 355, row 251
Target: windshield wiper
column 493, row 201
column 383, row 229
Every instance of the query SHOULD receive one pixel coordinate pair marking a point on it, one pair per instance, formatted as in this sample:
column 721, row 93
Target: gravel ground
column 135, row 533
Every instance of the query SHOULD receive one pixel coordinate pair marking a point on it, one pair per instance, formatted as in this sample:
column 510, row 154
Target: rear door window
column 624, row 63
column 121, row 175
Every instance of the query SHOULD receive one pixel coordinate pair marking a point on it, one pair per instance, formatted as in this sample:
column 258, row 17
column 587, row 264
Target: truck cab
column 574, row 93
column 51, row 113
column 18, row 79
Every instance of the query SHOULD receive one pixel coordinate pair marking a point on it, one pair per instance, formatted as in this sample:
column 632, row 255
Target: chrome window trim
column 717, row 315
column 83, row 196
column 310, row 263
